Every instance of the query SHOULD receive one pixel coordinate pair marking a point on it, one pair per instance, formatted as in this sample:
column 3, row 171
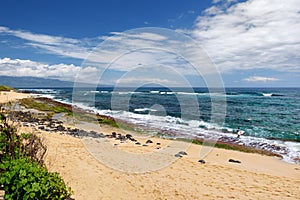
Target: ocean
column 270, row 117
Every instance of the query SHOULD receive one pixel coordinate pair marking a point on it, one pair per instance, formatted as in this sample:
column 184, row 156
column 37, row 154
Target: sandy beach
column 256, row 177
column 11, row 96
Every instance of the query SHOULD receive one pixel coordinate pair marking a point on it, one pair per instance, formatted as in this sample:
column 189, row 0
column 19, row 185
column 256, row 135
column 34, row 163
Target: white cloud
column 254, row 34
column 260, row 79
column 214, row 10
column 18, row 67
column 150, row 47
column 62, row 46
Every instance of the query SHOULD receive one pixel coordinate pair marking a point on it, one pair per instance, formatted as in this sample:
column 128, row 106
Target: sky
column 248, row 43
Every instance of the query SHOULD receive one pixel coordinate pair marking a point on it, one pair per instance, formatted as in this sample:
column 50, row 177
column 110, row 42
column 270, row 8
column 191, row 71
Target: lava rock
column 201, row 161
column 121, row 137
column 60, row 128
column 128, row 136
column 114, row 134
column 178, row 155
column 234, row 161
column 149, row 142
column 182, row 153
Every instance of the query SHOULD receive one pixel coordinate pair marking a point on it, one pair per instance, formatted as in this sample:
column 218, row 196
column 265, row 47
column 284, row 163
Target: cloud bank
column 254, row 34
column 17, row 67
column 260, row 79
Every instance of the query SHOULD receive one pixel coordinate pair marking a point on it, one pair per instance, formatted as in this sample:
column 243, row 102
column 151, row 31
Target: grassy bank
column 5, row 88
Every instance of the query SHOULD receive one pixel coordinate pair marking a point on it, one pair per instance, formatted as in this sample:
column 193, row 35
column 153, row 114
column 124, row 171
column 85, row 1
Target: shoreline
column 257, row 176
column 258, row 145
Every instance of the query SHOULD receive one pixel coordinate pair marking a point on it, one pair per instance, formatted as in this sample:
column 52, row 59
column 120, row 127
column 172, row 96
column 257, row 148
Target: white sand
column 11, row 96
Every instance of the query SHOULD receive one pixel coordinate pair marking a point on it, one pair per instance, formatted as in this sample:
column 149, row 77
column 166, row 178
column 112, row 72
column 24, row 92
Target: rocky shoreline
column 43, row 122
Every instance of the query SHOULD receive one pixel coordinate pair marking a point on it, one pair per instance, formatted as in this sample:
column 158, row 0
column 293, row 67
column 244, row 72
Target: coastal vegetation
column 5, row 88
column 41, row 105
column 23, row 174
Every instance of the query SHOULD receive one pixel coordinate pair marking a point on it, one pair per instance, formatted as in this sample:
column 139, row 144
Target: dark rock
column 114, row 134
column 149, row 142
column 178, row 155
column 201, row 161
column 101, row 135
column 121, row 137
column 158, row 143
column 82, row 133
column 182, row 153
column 128, row 136
column 234, row 161
column 138, row 143
column 51, row 125
column 41, row 127
column 60, row 128
column 145, row 145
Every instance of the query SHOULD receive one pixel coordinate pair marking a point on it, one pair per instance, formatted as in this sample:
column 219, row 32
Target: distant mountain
column 33, row 82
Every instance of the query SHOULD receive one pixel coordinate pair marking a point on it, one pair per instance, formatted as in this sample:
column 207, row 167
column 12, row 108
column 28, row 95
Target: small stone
column 234, row 161
column 138, row 143
column 60, row 128
column 114, row 134
column 178, row 155
column 201, row 161
column 182, row 153
column 158, row 143
column 149, row 142
column 128, row 136
column 121, row 137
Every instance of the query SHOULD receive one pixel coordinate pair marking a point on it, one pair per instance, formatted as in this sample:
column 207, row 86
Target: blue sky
column 252, row 43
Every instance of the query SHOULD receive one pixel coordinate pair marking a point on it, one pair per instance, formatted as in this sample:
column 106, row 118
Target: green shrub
column 5, row 88
column 22, row 174
column 24, row 179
